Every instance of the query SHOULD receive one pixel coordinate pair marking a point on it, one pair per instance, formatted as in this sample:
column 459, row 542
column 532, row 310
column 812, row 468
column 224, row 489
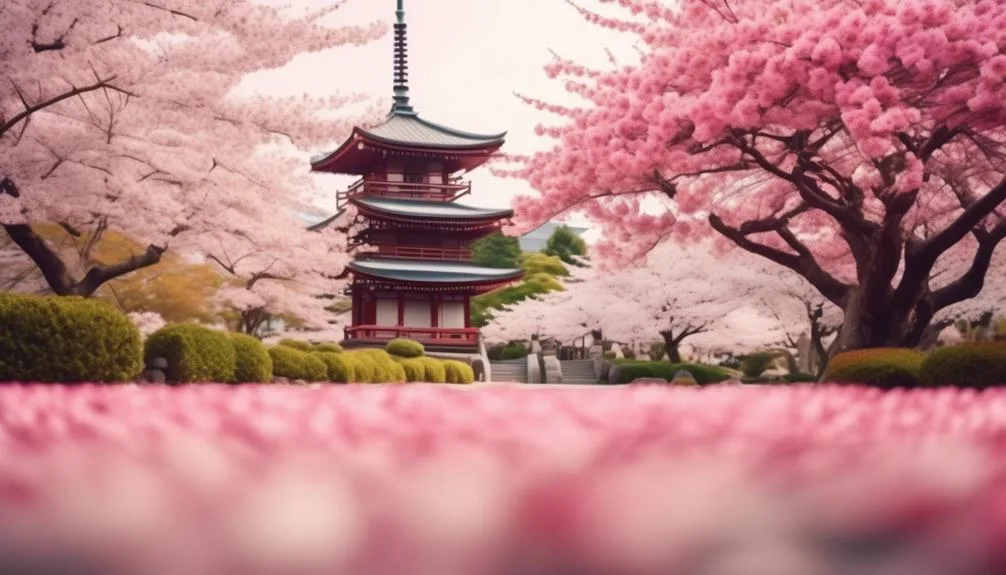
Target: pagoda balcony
column 418, row 253
column 446, row 336
column 406, row 190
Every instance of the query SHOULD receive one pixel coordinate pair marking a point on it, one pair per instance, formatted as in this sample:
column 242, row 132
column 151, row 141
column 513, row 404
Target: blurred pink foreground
column 430, row 480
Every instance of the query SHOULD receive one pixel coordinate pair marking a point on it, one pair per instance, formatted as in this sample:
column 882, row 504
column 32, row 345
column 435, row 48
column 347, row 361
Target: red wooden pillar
column 468, row 311
column 435, row 310
column 401, row 308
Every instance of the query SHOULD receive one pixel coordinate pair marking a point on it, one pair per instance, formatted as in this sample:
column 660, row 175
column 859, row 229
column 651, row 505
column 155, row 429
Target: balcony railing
column 465, row 336
column 420, row 253
column 406, row 190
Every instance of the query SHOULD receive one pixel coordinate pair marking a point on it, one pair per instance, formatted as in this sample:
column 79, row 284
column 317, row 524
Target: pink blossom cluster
column 873, row 74
column 501, row 479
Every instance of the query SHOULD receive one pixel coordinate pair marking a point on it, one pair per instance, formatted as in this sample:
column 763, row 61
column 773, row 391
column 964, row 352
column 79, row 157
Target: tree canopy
column 566, row 245
column 858, row 144
column 497, row 251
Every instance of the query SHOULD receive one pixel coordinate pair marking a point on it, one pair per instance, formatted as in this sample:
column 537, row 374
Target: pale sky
column 466, row 59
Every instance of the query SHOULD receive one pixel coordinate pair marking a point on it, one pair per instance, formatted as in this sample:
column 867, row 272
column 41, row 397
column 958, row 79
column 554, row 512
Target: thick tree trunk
column 55, row 271
column 671, row 343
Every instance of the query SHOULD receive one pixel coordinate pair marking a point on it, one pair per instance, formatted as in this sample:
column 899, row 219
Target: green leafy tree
column 496, row 251
column 565, row 244
column 540, row 273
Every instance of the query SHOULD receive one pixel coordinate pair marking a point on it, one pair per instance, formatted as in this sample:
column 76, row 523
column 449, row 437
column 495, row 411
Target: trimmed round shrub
column 66, row 340
column 387, row 369
column 433, row 370
column 413, row 368
column 296, row 344
column 883, row 367
column 252, row 362
column 288, row 362
column 405, row 348
column 974, row 365
column 327, row 347
column 314, row 368
column 458, row 372
column 195, row 353
column 625, row 371
column 339, row 365
column 365, row 366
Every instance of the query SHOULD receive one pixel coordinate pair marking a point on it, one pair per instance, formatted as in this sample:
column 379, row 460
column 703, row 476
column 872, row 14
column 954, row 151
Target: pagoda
column 412, row 274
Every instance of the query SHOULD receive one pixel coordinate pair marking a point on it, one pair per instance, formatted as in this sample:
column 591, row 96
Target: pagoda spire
column 401, row 75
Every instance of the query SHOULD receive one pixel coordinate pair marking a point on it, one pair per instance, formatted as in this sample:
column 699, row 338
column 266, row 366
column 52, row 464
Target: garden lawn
column 426, row 480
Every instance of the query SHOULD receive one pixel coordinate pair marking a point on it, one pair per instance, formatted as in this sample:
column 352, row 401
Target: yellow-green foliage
column 365, row 367
column 327, row 346
column 314, row 368
column 296, row 344
column 405, row 348
column 433, row 370
column 339, row 366
column 194, row 353
column 387, row 370
column 885, row 367
column 64, row 339
column 413, row 368
column 288, row 362
column 537, row 262
column 543, row 282
column 458, row 372
column 976, row 365
column 252, row 361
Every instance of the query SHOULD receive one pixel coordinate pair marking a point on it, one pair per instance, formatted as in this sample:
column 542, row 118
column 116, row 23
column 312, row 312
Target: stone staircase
column 578, row 371
column 509, row 370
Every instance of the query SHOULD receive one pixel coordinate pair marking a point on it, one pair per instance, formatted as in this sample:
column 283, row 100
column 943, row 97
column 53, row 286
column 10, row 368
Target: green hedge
column 458, row 372
column 314, row 368
column 252, row 361
column 65, row 340
column 973, row 365
column 341, row 367
column 514, row 351
column 194, row 353
column 884, row 367
column 414, row 368
column 628, row 370
column 755, row 364
column 433, row 370
column 405, row 348
column 296, row 344
column 377, row 366
column 327, row 347
column 288, row 362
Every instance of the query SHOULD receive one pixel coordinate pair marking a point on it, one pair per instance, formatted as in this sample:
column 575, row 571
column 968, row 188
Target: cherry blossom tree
column 129, row 116
column 681, row 293
column 853, row 142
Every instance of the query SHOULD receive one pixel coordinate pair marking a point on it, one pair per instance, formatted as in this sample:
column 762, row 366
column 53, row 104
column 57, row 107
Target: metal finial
column 401, row 71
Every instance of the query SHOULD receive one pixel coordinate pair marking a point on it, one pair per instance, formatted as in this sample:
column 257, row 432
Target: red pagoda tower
column 412, row 275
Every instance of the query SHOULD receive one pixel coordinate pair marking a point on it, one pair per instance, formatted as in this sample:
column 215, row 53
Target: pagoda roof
column 431, row 271
column 428, row 209
column 411, row 130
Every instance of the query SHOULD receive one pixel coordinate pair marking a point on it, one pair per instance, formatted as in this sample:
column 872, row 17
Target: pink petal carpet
column 430, row 480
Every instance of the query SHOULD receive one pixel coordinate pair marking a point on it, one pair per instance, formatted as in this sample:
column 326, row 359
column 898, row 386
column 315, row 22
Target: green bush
column 296, row 344
column 514, row 351
column 65, row 340
column 884, row 367
column 799, row 377
column 364, row 366
column 433, row 370
column 340, row 366
column 974, row 365
column 194, row 353
column 458, row 372
column 252, row 362
column 414, row 369
column 315, row 369
column 327, row 347
column 628, row 370
column 755, row 364
column 388, row 370
column 288, row 362
column 405, row 348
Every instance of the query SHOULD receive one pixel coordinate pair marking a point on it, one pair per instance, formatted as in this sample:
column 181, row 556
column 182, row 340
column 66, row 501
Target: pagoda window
column 451, row 312
column 387, row 310
column 417, row 310
column 414, row 178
